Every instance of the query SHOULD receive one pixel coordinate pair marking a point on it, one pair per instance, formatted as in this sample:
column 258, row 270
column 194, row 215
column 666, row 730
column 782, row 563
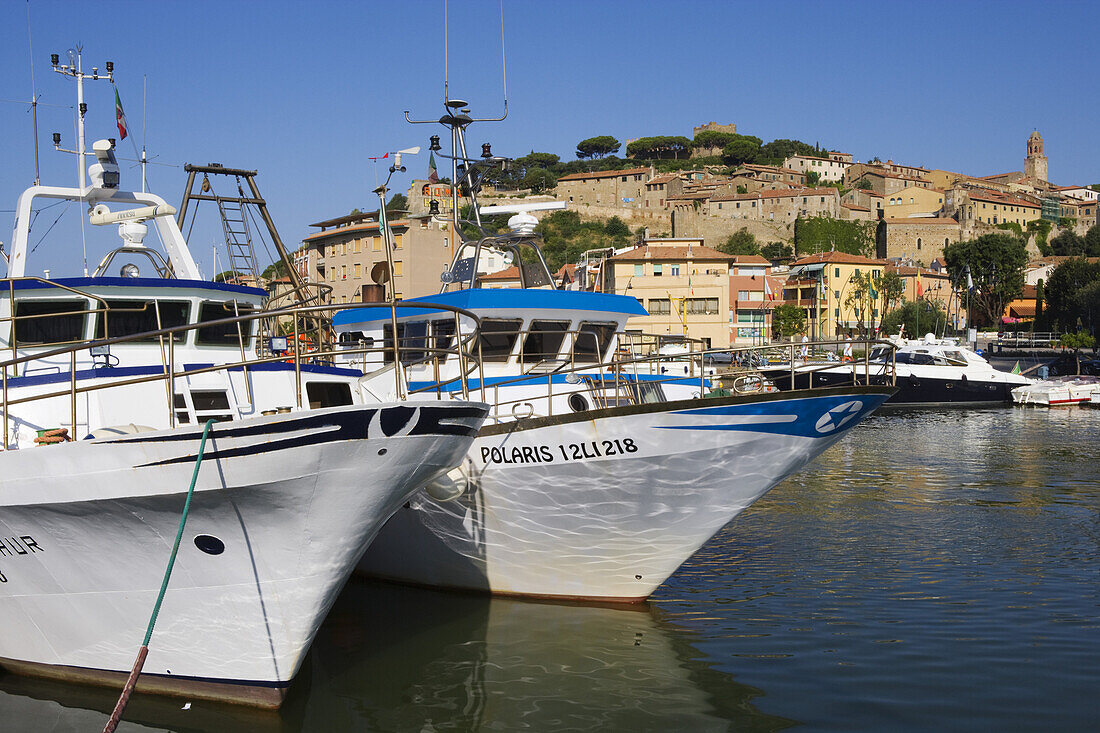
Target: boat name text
column 13, row 546
column 567, row 451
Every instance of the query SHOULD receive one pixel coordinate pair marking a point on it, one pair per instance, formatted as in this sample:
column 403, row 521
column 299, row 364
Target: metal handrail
column 169, row 372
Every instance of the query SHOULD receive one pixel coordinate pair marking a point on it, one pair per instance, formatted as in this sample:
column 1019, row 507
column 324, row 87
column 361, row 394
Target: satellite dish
column 380, row 273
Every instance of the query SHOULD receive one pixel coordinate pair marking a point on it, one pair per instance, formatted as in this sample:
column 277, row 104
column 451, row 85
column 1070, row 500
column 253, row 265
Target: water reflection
column 392, row 658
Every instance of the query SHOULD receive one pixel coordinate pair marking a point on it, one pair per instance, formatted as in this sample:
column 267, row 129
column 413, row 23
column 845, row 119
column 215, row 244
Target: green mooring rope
column 128, row 689
column 179, row 533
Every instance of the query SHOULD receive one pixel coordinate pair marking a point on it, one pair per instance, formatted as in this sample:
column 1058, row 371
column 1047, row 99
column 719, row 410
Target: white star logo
column 839, row 416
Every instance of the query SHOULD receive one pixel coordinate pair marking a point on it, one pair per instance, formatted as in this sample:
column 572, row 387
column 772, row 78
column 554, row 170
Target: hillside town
column 679, row 263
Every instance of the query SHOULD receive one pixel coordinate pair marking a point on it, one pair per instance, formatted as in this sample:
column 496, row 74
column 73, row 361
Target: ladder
column 238, row 239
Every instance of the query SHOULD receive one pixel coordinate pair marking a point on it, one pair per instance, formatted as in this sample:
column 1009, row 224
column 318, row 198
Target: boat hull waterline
column 607, row 508
column 283, row 507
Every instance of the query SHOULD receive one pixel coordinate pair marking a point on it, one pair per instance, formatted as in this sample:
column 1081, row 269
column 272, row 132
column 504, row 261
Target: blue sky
column 307, row 92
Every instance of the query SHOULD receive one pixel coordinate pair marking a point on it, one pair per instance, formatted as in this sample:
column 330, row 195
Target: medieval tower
column 1035, row 164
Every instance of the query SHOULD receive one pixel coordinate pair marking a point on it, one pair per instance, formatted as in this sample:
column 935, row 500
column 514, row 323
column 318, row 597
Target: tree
column 662, row 146
column 538, row 180
column 864, row 184
column 824, row 234
column 1066, row 294
column 861, row 291
column 996, row 264
column 538, row 160
column 741, row 242
column 776, row 251
column 1039, row 319
column 398, row 202
column 891, row 286
column 812, row 178
column 713, row 139
column 597, row 147
column 616, row 227
column 275, row 270
column 1067, row 244
column 1041, row 229
column 742, row 149
column 779, row 150
column 1092, row 241
column 788, row 320
column 742, row 188
column 917, row 316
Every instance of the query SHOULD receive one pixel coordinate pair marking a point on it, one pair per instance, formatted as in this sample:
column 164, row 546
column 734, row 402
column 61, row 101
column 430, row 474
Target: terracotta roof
column 780, row 194
column 1000, row 198
column 842, row 258
column 1023, row 310
column 371, row 226
column 698, row 252
column 853, row 207
column 663, row 178
column 911, row 271
column 603, row 174
column 770, row 169
column 751, row 260
column 944, row 221
column 512, row 273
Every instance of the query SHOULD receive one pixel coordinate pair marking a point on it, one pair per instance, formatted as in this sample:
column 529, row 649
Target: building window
column 836, row 294
column 742, row 294
column 659, row 306
column 918, row 242
column 674, row 270
column 702, row 306
column 836, row 272
column 639, row 270
column 398, row 268
column 657, row 270
column 358, row 270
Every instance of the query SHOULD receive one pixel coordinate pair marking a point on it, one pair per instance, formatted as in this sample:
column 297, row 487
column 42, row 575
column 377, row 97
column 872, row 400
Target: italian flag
column 120, row 117
column 433, row 174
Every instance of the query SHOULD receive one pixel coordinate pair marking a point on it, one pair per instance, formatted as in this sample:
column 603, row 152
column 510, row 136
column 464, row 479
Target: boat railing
column 625, row 378
column 261, row 337
column 876, row 358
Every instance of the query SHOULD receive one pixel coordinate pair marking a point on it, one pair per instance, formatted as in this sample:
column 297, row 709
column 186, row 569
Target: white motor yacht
column 929, row 370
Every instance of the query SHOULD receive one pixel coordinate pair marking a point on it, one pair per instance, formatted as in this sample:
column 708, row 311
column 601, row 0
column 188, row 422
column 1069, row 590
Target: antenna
column 34, row 95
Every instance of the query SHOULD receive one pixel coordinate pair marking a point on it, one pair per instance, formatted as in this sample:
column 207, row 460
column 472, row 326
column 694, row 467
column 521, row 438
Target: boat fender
column 449, row 486
column 116, row 430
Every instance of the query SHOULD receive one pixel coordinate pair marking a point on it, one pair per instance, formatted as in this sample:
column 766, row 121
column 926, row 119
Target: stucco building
column 821, row 285
column 681, row 283
column 622, row 188
column 827, row 169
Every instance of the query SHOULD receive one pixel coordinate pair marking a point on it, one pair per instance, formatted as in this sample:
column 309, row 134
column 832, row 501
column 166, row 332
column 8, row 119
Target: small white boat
column 1067, row 390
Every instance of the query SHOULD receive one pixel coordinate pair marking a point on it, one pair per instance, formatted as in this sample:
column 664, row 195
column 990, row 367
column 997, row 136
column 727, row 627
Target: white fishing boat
column 929, row 370
column 599, row 475
column 108, row 384
column 1076, row 389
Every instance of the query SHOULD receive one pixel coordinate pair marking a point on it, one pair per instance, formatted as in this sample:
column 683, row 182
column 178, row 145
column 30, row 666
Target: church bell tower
column 1035, row 164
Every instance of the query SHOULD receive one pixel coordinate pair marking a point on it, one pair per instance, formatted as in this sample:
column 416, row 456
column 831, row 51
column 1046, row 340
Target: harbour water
column 934, row 570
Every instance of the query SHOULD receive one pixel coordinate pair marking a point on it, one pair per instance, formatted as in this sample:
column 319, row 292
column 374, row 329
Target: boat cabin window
column 328, row 394
column 593, row 340
column 414, row 341
column 544, row 339
column 955, row 358
column 921, row 357
column 129, row 317
column 387, row 340
column 496, row 338
column 442, row 337
column 49, row 321
column 225, row 333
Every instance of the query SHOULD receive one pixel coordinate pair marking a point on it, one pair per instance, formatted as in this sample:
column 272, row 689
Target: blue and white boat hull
column 607, row 505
